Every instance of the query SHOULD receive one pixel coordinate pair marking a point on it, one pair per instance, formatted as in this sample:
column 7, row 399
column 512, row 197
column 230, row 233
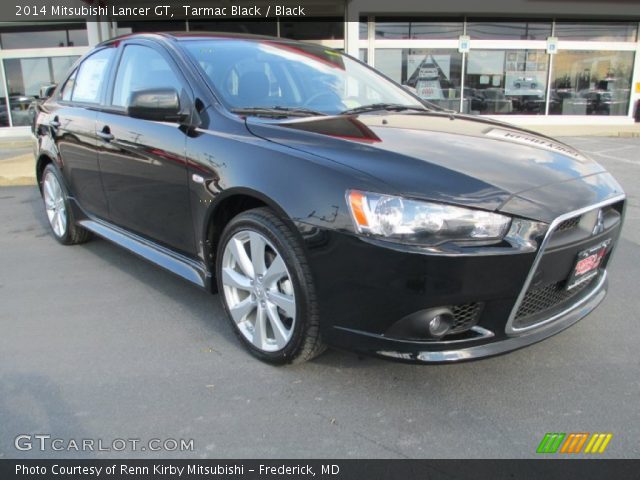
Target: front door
column 142, row 162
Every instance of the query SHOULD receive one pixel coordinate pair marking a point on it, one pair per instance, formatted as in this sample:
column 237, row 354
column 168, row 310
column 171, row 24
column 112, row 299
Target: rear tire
column 58, row 209
column 266, row 288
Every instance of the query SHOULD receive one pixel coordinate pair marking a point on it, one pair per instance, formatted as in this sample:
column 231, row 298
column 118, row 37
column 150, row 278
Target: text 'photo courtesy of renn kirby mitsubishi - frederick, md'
column 378, row 241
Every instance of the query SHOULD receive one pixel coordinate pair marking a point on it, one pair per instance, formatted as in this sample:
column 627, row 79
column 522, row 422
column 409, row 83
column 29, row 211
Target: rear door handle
column 105, row 134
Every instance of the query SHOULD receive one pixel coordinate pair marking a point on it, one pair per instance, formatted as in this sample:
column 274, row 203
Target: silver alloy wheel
column 54, row 203
column 258, row 290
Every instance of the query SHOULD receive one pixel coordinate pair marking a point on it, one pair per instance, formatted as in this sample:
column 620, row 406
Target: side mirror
column 47, row 90
column 158, row 104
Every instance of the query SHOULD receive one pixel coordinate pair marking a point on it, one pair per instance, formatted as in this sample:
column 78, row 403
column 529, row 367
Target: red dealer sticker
column 587, row 264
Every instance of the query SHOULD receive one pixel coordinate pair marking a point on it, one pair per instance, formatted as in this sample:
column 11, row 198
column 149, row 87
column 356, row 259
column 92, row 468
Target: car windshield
column 303, row 79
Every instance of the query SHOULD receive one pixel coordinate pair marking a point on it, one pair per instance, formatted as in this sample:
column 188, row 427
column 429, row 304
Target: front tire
column 58, row 209
column 267, row 289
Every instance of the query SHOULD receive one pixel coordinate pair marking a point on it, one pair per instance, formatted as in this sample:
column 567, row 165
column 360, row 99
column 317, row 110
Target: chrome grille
column 544, row 299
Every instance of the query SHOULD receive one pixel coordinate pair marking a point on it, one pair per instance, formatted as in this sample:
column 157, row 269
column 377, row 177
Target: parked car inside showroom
column 326, row 204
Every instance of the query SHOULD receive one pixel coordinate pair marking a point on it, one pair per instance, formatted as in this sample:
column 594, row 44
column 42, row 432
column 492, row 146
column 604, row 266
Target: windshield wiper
column 278, row 111
column 394, row 107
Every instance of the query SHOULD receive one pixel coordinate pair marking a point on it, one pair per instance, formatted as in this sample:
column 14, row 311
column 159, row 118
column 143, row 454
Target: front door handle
column 105, row 134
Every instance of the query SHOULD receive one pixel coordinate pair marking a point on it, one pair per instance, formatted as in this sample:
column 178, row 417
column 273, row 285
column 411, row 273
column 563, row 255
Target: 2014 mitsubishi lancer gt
column 325, row 203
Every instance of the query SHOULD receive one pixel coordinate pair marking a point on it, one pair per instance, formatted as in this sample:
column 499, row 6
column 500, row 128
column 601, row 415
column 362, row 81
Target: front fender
column 306, row 190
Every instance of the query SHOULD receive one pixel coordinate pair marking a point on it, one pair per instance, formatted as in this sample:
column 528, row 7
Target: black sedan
column 326, row 204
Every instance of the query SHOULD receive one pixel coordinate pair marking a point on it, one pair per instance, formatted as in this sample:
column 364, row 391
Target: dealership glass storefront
column 32, row 56
column 507, row 69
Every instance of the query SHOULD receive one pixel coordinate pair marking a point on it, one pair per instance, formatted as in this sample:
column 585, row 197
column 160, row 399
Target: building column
column 98, row 32
column 352, row 28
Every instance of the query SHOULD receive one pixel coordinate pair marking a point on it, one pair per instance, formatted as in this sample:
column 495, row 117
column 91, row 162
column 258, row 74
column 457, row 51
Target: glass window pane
column 597, row 31
column 434, row 74
column 141, row 68
column 78, row 38
column 60, row 66
column 390, row 28
column 91, row 74
column 506, row 81
column 25, row 76
column 43, row 36
column 591, row 83
column 499, row 30
column 151, row 26
column 327, row 30
column 4, row 114
column 252, row 27
column 363, row 28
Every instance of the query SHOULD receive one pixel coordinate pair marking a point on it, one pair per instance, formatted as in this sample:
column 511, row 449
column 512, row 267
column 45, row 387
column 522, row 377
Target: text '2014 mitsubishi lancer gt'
column 326, row 204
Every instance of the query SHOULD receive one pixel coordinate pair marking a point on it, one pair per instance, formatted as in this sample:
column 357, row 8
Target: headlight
column 417, row 222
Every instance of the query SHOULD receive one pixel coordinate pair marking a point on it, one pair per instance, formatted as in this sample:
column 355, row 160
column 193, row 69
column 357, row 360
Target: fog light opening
column 440, row 323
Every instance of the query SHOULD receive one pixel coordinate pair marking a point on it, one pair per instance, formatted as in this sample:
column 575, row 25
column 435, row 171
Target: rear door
column 73, row 123
column 143, row 162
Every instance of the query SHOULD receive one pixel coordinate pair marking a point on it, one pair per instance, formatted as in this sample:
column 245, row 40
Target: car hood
column 443, row 157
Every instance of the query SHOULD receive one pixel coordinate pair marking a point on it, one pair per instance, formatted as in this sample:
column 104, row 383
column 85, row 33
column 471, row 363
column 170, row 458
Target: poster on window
column 429, row 75
column 526, row 74
column 89, row 80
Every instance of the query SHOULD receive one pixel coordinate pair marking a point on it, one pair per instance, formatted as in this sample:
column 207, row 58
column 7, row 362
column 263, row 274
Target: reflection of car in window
column 496, row 101
column 525, row 82
column 606, row 102
column 20, row 115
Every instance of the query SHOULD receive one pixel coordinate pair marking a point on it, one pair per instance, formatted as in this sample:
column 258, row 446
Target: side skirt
column 182, row 266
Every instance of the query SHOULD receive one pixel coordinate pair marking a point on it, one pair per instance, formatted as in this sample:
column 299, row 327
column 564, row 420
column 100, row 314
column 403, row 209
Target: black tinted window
column 534, row 30
column 398, row 28
column 141, row 68
column 598, row 31
column 90, row 77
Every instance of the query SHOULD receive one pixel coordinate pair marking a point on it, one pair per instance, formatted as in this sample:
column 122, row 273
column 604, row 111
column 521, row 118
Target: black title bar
column 546, row 469
column 265, row 10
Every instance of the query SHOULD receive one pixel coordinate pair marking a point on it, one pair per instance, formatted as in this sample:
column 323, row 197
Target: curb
column 17, row 181
column 18, row 170
column 15, row 143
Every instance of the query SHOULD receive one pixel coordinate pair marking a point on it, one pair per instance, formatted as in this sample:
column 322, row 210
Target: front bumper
column 365, row 290
column 484, row 346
